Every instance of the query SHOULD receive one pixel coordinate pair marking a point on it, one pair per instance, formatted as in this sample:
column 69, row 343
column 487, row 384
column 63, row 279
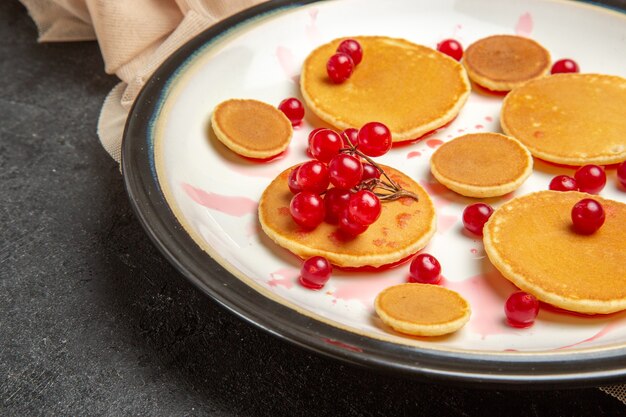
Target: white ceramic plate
column 195, row 197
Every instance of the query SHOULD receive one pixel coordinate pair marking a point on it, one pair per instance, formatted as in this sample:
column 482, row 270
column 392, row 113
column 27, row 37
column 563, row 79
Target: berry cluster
column 343, row 163
column 588, row 179
column 341, row 65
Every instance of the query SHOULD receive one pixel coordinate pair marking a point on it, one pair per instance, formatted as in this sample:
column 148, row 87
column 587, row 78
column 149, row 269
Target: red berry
column 313, row 133
column 364, row 207
column 587, row 216
column 315, row 272
column 325, row 144
column 563, row 183
column 350, row 227
column 352, row 135
column 339, row 67
column 564, row 65
column 621, row 173
column 345, row 171
column 369, row 172
column 425, row 269
column 313, row 176
column 590, row 179
column 294, row 187
column 353, row 49
column 293, row 109
column 335, row 202
column 521, row 309
column 451, row 48
column 475, row 216
column 374, row 139
column 307, row 209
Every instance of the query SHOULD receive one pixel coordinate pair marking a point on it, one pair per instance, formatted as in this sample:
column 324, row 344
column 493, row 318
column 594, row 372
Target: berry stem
column 393, row 190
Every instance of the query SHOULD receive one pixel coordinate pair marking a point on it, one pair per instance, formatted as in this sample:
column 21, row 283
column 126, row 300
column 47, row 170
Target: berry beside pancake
column 410, row 88
column 503, row 62
column 572, row 119
column 530, row 240
column 251, row 128
column 404, row 227
column 482, row 164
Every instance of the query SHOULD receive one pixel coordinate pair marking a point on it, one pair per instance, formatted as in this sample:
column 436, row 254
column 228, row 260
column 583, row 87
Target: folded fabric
column 135, row 37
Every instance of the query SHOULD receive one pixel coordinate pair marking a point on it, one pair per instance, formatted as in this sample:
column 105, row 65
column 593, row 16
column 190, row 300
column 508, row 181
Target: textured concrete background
column 94, row 321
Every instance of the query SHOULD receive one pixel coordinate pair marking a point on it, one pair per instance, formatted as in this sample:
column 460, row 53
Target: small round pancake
column 251, row 128
column 502, row 62
column 482, row 164
column 572, row 119
column 530, row 240
column 404, row 227
column 410, row 88
column 422, row 309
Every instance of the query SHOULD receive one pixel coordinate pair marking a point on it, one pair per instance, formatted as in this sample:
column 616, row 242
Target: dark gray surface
column 94, row 321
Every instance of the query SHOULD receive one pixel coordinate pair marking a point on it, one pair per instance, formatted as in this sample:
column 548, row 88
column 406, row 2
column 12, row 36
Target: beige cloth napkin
column 135, row 37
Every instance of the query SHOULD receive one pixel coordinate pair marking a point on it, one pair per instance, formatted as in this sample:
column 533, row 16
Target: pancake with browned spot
column 251, row 128
column 572, row 119
column 482, row 164
column 404, row 227
column 503, row 62
column 530, row 240
column 410, row 88
column 422, row 309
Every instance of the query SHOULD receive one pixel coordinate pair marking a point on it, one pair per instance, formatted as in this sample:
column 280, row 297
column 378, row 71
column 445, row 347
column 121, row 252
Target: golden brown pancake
column 482, row 164
column 410, row 88
column 573, row 119
column 503, row 62
column 251, row 128
column 422, row 309
column 530, row 240
column 403, row 228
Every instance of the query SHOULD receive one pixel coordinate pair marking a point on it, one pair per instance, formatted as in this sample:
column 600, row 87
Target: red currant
column 315, row 272
column 345, row 171
column 353, row 49
column 425, row 269
column 339, row 67
column 587, row 216
column 364, row 207
column 313, row 133
column 451, row 48
column 564, row 65
column 521, row 309
column 621, row 173
column 374, row 139
column 294, row 187
column 307, row 209
column 563, row 183
column 352, row 135
column 369, row 172
column 313, row 176
column 475, row 216
column 335, row 202
column 293, row 109
column 350, row 227
column 590, row 179
column 325, row 144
